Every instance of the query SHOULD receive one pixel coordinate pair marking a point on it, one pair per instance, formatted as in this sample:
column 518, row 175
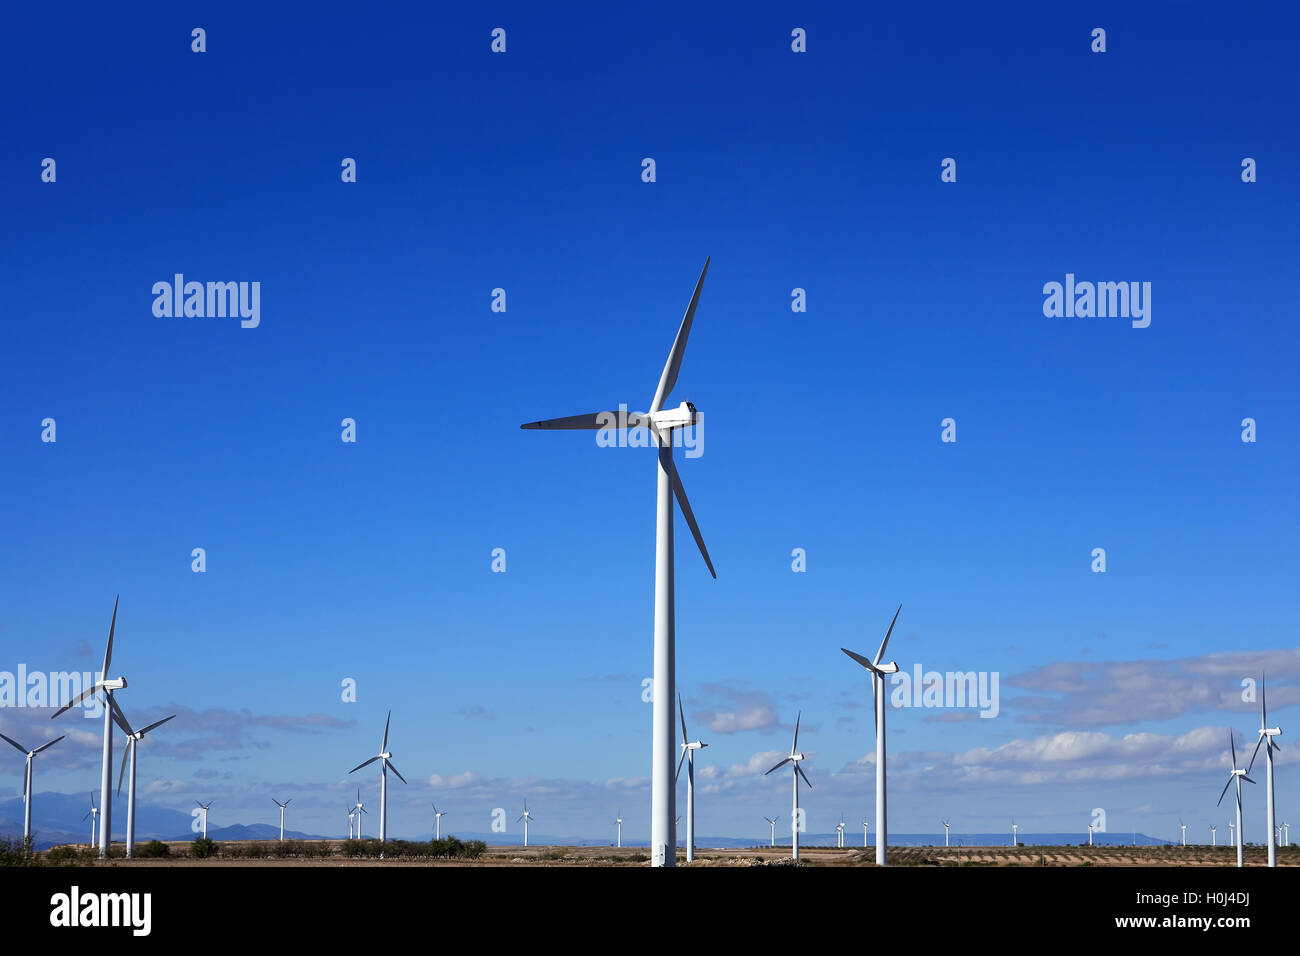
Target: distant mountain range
column 55, row 817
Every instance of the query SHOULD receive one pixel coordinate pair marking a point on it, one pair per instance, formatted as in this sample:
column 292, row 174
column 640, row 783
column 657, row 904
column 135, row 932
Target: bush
column 153, row 849
column 17, row 851
column 72, row 855
column 202, row 848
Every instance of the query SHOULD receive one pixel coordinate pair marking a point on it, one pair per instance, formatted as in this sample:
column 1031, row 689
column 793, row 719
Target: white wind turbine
column 1267, row 733
column 385, row 764
column 437, row 821
column 93, row 813
column 205, row 815
column 359, row 809
column 878, row 672
column 27, row 780
column 1183, row 826
column 794, row 759
column 1214, row 840
column 1286, row 834
column 106, row 687
column 1015, row 828
column 352, row 812
column 839, row 833
column 662, row 423
column 132, row 739
column 864, row 834
column 1232, row 836
column 1238, row 775
column 1089, row 834
column 945, row 832
column 619, row 820
column 772, row 822
column 282, row 806
column 527, row 818
column 688, row 755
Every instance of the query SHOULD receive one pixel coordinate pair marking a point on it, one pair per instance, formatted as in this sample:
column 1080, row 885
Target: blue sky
column 522, row 171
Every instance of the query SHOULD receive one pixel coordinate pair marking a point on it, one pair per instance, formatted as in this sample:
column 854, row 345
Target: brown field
column 233, row 854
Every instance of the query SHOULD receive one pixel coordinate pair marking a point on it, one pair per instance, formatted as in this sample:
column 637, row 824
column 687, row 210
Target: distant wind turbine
column 359, row 809
column 282, row 806
column 205, row 815
column 1089, row 834
column 1015, row 827
column 132, row 738
column 688, row 755
column 794, row 759
column 1238, row 775
column 1183, row 826
column 352, row 812
column 772, row 821
column 527, row 818
column 945, row 832
column 864, row 834
column 1213, row 838
column 618, row 819
column 878, row 671
column 93, row 813
column 385, row 764
column 1267, row 733
column 839, row 833
column 437, row 821
column 27, row 780
column 662, row 423
column 103, row 686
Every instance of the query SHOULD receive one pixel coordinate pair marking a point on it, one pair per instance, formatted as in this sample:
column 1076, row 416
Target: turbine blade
column 384, row 746
column 360, row 765
column 799, row 770
column 46, row 746
column 666, row 457
column 122, row 774
column 1225, row 790
column 1233, row 745
column 1262, row 738
column 778, row 766
column 395, row 770
column 108, row 651
column 682, row 714
column 681, row 760
column 861, row 660
column 795, row 746
column 881, row 653
column 1247, row 779
column 669, row 377
column 20, row 747
column 75, row 701
column 289, row 801
column 594, row 420
column 156, row 723
column 119, row 718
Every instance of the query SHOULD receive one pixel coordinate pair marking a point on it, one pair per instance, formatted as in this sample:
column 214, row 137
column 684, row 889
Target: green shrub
column 17, row 851
column 153, row 849
column 202, row 848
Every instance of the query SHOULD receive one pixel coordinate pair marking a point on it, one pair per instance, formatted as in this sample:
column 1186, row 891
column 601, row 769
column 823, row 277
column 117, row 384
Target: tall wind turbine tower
column 1238, row 775
column 794, row 759
column 385, row 764
column 878, row 672
column 27, row 780
column 662, row 423
column 1266, row 735
column 106, row 687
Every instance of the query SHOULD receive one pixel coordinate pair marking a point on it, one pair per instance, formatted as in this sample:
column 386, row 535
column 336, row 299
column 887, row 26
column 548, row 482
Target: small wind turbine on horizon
column 1266, row 734
column 794, row 759
column 1183, row 826
column 772, row 822
column 1213, row 837
column 437, row 821
column 282, row 806
column 1238, row 775
column 1015, row 828
column 133, row 737
column 688, row 756
column 359, row 809
column 662, row 423
column 93, row 813
column 864, row 834
column 106, row 687
column 205, row 815
column 839, row 833
column 945, row 832
column 385, row 764
column 27, row 779
column 352, row 812
column 618, row 819
column 527, row 818
column 878, row 671
column 1089, row 834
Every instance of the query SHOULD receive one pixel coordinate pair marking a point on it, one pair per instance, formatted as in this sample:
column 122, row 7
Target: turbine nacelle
column 116, row 684
column 666, row 419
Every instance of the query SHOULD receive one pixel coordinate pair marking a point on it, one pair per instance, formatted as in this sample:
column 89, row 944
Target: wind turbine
column 794, row 759
column 1239, row 775
column 352, row 812
column 1213, row 838
column 878, row 672
column 619, row 820
column 385, row 764
column 27, row 780
column 1089, row 834
column 864, row 834
column 1232, row 835
column 93, row 813
column 282, row 806
column 437, row 821
column 1286, row 834
column 945, row 832
column 688, row 755
column 772, row 821
column 132, row 738
column 1183, row 826
column 205, row 816
column 106, row 687
column 526, row 817
column 1267, row 733
column 839, row 833
column 662, row 423
column 359, row 809
column 1015, row 827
